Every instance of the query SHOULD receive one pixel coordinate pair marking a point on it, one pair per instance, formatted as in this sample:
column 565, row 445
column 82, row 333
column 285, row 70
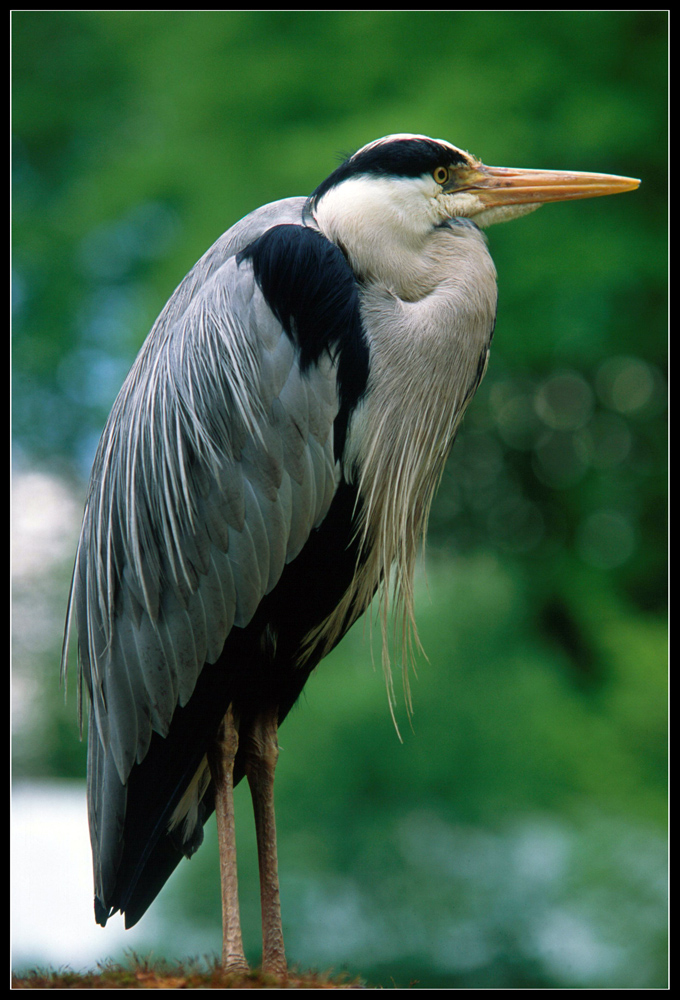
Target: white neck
column 383, row 225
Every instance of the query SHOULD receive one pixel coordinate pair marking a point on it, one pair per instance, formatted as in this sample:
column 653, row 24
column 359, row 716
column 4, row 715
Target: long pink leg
column 221, row 760
column 262, row 752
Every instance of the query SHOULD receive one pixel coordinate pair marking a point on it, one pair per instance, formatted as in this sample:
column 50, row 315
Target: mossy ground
column 145, row 975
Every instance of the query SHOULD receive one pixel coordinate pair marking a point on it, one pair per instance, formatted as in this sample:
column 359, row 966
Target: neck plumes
column 427, row 357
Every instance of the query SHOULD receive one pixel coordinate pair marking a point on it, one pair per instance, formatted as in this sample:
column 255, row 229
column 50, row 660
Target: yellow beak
column 495, row 186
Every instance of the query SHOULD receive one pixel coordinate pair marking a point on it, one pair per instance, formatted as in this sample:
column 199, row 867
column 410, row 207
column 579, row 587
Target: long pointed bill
column 496, row 186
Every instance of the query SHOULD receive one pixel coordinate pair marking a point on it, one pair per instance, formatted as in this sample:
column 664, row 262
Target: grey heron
column 267, row 468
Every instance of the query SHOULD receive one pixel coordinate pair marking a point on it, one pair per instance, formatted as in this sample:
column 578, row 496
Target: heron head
column 382, row 205
column 409, row 184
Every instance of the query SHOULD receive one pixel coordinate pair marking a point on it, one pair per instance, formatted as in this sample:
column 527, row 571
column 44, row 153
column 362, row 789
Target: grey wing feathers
column 215, row 465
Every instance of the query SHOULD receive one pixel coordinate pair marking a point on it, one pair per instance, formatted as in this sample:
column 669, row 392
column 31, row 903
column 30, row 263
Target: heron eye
column 441, row 174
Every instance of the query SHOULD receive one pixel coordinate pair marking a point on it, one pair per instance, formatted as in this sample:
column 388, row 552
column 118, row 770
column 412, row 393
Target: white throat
column 382, row 224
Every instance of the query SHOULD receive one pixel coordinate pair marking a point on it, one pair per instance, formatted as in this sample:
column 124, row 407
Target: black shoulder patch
column 312, row 291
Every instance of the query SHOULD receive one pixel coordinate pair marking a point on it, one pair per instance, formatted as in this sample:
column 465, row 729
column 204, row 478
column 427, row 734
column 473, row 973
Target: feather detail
column 401, row 434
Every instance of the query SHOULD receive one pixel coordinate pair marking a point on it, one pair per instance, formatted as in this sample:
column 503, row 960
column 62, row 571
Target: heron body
column 268, row 467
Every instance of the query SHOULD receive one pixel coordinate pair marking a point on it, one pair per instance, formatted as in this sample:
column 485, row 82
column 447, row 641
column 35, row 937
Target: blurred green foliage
column 516, row 837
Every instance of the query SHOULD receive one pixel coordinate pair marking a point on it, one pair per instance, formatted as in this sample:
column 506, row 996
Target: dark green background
column 516, row 837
